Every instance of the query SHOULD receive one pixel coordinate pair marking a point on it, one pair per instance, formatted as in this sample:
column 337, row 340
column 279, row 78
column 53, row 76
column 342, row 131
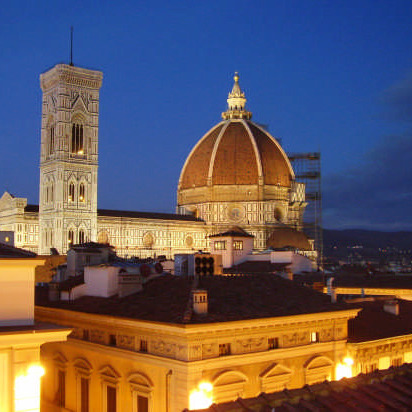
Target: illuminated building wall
column 164, row 363
column 20, row 336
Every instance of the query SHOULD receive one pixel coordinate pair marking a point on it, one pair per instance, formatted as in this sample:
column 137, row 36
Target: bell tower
column 68, row 157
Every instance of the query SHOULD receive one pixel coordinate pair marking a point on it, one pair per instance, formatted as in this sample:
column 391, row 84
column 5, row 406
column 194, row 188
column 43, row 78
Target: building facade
column 137, row 355
column 236, row 174
column 20, row 335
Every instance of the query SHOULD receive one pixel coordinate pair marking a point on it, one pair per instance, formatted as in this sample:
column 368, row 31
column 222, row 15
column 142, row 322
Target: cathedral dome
column 236, row 153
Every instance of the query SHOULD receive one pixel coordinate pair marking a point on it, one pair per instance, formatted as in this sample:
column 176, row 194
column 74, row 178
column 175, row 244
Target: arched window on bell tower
column 77, row 139
column 70, row 237
column 51, row 140
column 71, row 192
column 82, row 193
column 82, row 236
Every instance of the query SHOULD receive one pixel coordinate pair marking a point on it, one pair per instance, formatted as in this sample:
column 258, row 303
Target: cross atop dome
column 236, row 102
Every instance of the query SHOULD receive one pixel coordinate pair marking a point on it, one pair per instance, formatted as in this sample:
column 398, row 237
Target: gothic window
column 77, row 139
column 71, row 192
column 51, row 192
column 81, row 236
column 71, row 237
column 81, row 193
column 51, row 140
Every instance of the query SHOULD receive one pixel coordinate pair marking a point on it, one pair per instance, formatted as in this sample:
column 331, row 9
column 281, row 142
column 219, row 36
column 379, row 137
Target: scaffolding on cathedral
column 307, row 168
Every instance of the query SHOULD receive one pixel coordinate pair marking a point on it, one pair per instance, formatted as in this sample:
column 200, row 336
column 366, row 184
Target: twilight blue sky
column 334, row 76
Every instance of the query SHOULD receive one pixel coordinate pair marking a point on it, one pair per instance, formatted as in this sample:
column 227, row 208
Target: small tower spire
column 236, row 102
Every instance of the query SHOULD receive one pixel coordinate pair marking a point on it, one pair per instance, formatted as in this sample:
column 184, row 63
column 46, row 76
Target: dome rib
column 186, row 176
column 255, row 147
column 279, row 147
column 215, row 147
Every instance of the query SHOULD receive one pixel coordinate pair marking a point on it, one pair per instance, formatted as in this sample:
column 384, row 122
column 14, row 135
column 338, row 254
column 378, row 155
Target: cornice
column 186, row 329
column 70, row 75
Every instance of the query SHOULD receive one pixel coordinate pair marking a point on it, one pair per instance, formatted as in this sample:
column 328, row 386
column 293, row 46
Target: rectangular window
column 314, row 337
column 142, row 404
column 224, row 349
column 86, row 335
column 369, row 368
column 238, row 244
column 84, row 395
column 143, row 345
column 111, row 399
column 220, row 245
column 273, row 343
column 112, row 340
column 61, row 388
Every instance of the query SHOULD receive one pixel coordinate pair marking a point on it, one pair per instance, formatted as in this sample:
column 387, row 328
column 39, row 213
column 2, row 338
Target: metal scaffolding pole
column 307, row 168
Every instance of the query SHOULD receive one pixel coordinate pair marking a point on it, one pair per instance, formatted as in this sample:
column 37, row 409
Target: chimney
column 199, row 298
column 392, row 307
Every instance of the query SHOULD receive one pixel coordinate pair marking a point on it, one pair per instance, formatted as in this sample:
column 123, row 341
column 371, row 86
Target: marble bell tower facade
column 69, row 157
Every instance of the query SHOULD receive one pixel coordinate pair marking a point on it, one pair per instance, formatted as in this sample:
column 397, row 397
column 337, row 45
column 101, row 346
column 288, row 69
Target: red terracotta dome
column 236, row 152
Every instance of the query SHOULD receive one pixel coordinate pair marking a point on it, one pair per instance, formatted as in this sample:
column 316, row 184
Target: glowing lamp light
column 36, row 371
column 27, row 389
column 202, row 396
column 344, row 369
column 80, row 152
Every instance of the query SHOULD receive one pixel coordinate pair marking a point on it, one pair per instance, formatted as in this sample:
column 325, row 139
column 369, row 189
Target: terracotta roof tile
column 131, row 214
column 165, row 299
column 384, row 390
column 146, row 215
column 8, row 251
column 374, row 323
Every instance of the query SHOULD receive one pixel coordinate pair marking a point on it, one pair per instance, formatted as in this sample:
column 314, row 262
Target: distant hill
column 367, row 238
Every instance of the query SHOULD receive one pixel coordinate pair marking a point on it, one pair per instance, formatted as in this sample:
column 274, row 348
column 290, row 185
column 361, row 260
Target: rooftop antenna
column 71, row 45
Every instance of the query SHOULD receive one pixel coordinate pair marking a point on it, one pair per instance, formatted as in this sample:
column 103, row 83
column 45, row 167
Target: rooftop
column 374, row 323
column 384, row 390
column 132, row 214
column 235, row 231
column 165, row 299
column 8, row 251
column 147, row 215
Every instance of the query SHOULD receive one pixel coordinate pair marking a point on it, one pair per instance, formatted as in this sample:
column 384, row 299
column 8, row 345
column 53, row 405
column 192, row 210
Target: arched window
column 82, row 197
column 77, row 139
column 51, row 192
column 71, row 192
column 51, row 140
column 81, row 236
column 71, row 237
column 47, row 194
